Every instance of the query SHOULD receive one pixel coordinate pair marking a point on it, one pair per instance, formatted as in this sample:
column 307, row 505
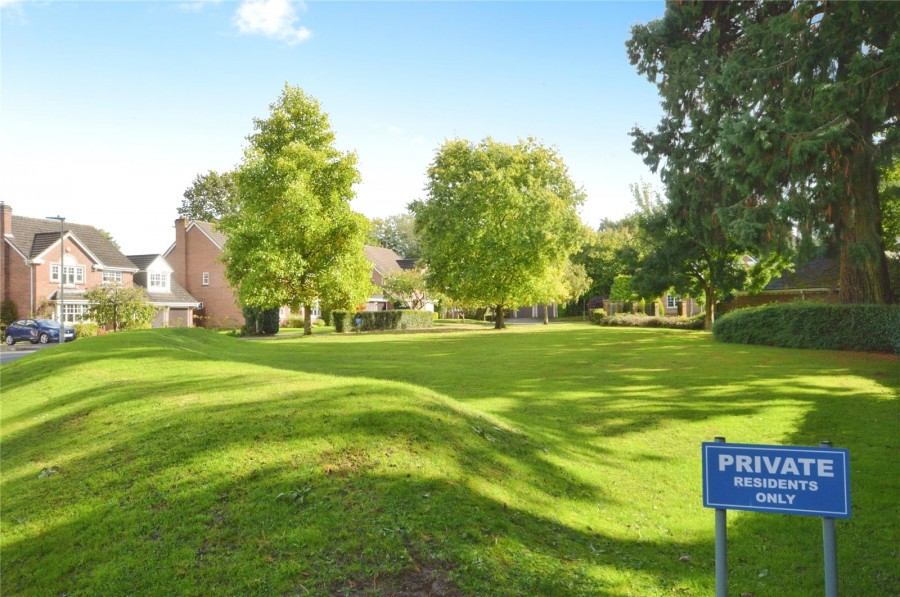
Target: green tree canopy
column 293, row 237
column 776, row 116
column 398, row 233
column 119, row 307
column 499, row 220
column 210, row 197
column 408, row 287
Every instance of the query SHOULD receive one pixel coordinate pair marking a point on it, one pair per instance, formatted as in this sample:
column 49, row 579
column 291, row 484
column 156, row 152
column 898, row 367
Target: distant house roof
column 821, row 272
column 143, row 261
column 385, row 261
column 407, row 263
column 177, row 294
column 32, row 236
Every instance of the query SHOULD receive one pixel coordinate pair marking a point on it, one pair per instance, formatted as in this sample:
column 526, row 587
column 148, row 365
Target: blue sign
column 782, row 479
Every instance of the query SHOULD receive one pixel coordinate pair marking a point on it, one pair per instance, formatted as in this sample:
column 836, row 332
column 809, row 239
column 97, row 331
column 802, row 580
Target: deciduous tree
column 293, row 238
column 499, row 219
column 119, row 307
column 210, row 197
column 398, row 233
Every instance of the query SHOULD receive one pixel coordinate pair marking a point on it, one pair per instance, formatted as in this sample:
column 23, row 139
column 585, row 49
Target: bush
column 293, row 322
column 634, row 320
column 319, row 323
column 399, row 319
column 597, row 315
column 8, row 312
column 801, row 324
column 86, row 330
column 260, row 321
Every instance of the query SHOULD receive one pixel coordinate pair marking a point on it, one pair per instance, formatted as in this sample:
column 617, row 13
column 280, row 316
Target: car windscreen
column 49, row 323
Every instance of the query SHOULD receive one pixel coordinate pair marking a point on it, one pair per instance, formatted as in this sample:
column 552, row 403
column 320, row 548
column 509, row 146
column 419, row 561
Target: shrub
column 634, row 320
column 293, row 322
column 801, row 324
column 597, row 315
column 86, row 330
column 319, row 323
column 8, row 312
column 398, row 319
column 260, row 321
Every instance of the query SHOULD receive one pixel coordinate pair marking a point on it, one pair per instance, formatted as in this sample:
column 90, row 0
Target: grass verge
column 553, row 460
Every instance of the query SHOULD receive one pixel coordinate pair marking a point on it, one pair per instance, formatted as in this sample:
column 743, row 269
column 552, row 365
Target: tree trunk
column 307, row 320
column 498, row 318
column 710, row 294
column 864, row 271
column 546, row 314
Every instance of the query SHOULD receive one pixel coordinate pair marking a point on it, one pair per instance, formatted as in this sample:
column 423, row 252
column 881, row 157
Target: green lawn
column 541, row 460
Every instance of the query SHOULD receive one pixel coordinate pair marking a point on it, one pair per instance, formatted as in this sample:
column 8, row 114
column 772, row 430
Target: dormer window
column 158, row 281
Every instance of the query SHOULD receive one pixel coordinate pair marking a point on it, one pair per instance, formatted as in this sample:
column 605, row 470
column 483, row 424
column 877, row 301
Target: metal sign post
column 780, row 479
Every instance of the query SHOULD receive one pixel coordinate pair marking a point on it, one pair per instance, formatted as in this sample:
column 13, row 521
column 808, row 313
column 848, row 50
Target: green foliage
column 259, row 321
column 499, row 222
column 776, row 116
column 621, row 289
column 8, row 312
column 889, row 191
column 108, row 236
column 408, row 287
column 210, row 197
column 616, row 247
column 637, row 320
column 871, row 328
column 86, row 330
column 294, row 322
column 367, row 321
column 119, row 307
column 293, row 238
column 597, row 315
column 398, row 233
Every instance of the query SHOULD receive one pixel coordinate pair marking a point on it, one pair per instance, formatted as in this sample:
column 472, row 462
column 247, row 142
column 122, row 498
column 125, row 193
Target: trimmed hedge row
column 400, row 319
column 635, row 320
column 868, row 328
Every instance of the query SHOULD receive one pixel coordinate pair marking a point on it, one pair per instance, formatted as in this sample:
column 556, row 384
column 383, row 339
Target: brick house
column 817, row 281
column 174, row 305
column 30, row 267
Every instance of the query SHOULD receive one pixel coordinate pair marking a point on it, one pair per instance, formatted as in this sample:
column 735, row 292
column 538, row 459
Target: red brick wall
column 195, row 253
column 16, row 280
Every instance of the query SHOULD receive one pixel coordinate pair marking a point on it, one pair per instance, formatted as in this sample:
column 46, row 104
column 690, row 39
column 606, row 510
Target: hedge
column 868, row 328
column 400, row 319
column 635, row 320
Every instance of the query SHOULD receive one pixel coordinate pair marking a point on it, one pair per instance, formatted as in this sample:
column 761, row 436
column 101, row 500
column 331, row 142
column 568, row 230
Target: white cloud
column 271, row 18
column 12, row 10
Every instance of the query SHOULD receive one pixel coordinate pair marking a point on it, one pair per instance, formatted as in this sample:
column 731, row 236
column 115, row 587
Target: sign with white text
column 782, row 479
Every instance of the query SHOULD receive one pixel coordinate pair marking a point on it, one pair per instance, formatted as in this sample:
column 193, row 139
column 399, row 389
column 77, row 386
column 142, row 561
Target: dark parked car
column 36, row 330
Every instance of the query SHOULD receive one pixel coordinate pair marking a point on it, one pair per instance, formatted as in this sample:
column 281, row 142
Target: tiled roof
column 178, row 295
column 821, row 272
column 142, row 261
column 210, row 229
column 385, row 260
column 32, row 236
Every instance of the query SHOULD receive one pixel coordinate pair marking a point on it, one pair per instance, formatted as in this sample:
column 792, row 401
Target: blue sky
column 108, row 110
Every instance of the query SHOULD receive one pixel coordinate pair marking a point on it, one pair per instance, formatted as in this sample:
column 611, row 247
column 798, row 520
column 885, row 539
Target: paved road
column 19, row 351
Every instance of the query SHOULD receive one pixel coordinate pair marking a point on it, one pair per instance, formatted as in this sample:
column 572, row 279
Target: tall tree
column 499, row 220
column 408, row 287
column 210, row 197
column 398, row 233
column 293, row 238
column 787, row 107
column 697, row 261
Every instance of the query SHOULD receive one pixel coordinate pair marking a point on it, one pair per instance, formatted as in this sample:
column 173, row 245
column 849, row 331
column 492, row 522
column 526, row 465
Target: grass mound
column 186, row 462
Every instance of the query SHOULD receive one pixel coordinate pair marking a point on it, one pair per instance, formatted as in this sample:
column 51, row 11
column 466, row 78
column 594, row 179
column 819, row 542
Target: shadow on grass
column 491, row 518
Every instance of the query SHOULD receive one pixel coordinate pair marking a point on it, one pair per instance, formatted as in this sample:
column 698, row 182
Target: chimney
column 6, row 224
column 178, row 258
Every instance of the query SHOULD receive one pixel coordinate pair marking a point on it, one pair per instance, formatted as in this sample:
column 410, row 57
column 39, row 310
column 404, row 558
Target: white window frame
column 671, row 301
column 205, row 279
column 75, row 312
column 112, row 277
column 157, row 280
column 73, row 275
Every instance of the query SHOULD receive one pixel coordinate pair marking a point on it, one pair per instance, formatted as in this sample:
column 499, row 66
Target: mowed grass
column 542, row 460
